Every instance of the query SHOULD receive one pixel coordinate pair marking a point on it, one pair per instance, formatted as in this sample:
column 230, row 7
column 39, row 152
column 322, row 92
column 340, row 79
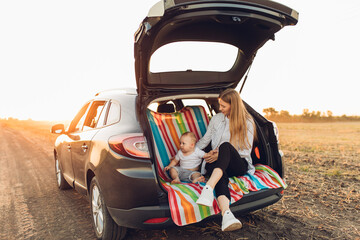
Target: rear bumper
column 256, row 200
column 136, row 217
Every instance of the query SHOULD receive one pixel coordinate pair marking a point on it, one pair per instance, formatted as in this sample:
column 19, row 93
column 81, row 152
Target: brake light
column 156, row 220
column 134, row 146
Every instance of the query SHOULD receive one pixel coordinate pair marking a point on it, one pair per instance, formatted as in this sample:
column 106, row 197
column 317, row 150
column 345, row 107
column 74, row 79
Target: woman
column 231, row 133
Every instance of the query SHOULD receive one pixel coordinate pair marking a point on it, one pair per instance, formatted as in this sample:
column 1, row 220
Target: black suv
column 110, row 150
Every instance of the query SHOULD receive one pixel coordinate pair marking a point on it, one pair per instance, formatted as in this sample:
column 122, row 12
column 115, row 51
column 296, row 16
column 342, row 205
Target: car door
column 69, row 138
column 81, row 146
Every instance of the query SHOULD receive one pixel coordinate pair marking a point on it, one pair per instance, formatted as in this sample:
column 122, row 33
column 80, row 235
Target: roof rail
column 130, row 91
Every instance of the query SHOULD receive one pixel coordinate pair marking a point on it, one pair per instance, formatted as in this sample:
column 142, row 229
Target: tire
column 61, row 182
column 104, row 225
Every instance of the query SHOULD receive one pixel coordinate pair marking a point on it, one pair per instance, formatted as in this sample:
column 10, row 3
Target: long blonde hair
column 238, row 119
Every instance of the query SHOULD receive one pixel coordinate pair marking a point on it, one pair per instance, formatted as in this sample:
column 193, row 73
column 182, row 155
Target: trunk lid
column 247, row 25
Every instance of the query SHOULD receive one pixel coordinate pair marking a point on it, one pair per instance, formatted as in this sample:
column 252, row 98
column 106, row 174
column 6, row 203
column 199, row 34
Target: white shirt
column 190, row 161
column 225, row 137
column 215, row 133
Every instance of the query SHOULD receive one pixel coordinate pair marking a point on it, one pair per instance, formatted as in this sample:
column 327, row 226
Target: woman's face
column 224, row 107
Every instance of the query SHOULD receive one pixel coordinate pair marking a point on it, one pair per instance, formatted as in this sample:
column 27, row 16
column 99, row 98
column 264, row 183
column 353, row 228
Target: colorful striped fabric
column 167, row 129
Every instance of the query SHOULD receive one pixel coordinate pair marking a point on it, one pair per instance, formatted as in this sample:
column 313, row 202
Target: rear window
column 195, row 56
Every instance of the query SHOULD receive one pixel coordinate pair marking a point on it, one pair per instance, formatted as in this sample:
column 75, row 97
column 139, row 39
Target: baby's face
column 186, row 144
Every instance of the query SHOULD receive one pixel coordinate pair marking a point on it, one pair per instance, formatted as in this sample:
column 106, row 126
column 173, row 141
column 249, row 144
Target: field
column 322, row 165
column 322, row 168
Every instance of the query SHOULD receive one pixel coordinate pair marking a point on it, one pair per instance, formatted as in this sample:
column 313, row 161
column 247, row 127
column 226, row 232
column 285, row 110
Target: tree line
column 306, row 116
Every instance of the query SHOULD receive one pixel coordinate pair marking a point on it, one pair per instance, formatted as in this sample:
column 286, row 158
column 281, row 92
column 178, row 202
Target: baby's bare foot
column 199, row 179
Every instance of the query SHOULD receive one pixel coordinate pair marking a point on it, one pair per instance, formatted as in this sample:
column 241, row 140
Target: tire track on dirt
column 34, row 208
column 14, row 196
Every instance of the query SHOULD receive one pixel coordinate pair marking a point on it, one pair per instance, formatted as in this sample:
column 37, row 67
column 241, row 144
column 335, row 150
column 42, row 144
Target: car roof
column 113, row 93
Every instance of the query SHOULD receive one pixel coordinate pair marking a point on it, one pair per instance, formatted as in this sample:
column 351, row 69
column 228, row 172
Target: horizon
column 263, row 113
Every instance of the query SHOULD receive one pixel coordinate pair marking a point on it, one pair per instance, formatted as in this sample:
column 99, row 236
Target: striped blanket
column 167, row 129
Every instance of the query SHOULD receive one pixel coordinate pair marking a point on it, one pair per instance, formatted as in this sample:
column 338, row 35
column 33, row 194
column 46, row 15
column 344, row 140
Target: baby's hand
column 166, row 168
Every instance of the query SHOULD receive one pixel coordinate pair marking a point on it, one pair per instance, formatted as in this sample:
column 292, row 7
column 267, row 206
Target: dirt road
column 32, row 207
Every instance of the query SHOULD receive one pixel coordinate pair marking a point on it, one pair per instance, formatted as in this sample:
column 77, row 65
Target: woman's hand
column 212, row 156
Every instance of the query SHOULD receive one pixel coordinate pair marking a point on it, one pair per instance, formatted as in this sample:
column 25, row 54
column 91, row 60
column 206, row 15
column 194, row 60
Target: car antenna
column 247, row 73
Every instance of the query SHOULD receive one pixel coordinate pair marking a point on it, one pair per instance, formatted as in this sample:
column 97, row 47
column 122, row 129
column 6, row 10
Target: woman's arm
column 206, row 139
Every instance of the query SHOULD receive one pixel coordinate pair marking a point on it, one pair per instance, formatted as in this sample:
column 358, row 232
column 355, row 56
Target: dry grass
column 322, row 170
column 330, row 149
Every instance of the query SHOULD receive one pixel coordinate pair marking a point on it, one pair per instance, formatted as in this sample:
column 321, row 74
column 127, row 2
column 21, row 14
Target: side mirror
column 58, row 129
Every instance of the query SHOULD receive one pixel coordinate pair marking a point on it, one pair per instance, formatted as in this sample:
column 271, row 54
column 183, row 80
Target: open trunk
column 245, row 25
column 265, row 148
column 174, row 119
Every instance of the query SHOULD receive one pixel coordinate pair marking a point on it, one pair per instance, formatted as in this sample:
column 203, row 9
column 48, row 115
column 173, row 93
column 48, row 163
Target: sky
column 56, row 55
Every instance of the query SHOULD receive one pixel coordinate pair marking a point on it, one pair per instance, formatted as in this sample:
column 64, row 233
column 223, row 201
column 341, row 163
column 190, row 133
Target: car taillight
column 134, row 146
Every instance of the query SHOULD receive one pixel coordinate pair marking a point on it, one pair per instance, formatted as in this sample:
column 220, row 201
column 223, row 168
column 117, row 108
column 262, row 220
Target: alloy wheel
column 97, row 210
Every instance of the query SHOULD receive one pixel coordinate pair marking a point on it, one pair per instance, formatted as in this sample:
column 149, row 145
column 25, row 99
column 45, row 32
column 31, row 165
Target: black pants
column 230, row 162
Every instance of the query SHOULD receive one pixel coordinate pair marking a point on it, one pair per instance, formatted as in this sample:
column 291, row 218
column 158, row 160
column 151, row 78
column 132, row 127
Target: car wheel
column 61, row 182
column 104, row 225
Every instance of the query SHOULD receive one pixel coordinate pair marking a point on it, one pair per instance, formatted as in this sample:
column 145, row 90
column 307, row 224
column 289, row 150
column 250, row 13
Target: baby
column 190, row 158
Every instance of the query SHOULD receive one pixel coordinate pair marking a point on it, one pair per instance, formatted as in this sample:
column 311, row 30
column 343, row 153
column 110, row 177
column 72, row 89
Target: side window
column 77, row 123
column 80, row 124
column 101, row 121
column 114, row 113
column 93, row 115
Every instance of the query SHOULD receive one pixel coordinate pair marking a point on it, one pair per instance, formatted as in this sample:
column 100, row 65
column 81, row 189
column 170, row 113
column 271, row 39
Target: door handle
column 84, row 147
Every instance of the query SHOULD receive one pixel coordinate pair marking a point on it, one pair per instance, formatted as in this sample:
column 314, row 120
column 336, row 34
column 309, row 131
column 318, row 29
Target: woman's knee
column 224, row 146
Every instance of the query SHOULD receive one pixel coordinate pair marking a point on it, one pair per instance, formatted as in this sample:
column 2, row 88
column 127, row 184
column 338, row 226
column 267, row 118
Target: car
column 114, row 149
